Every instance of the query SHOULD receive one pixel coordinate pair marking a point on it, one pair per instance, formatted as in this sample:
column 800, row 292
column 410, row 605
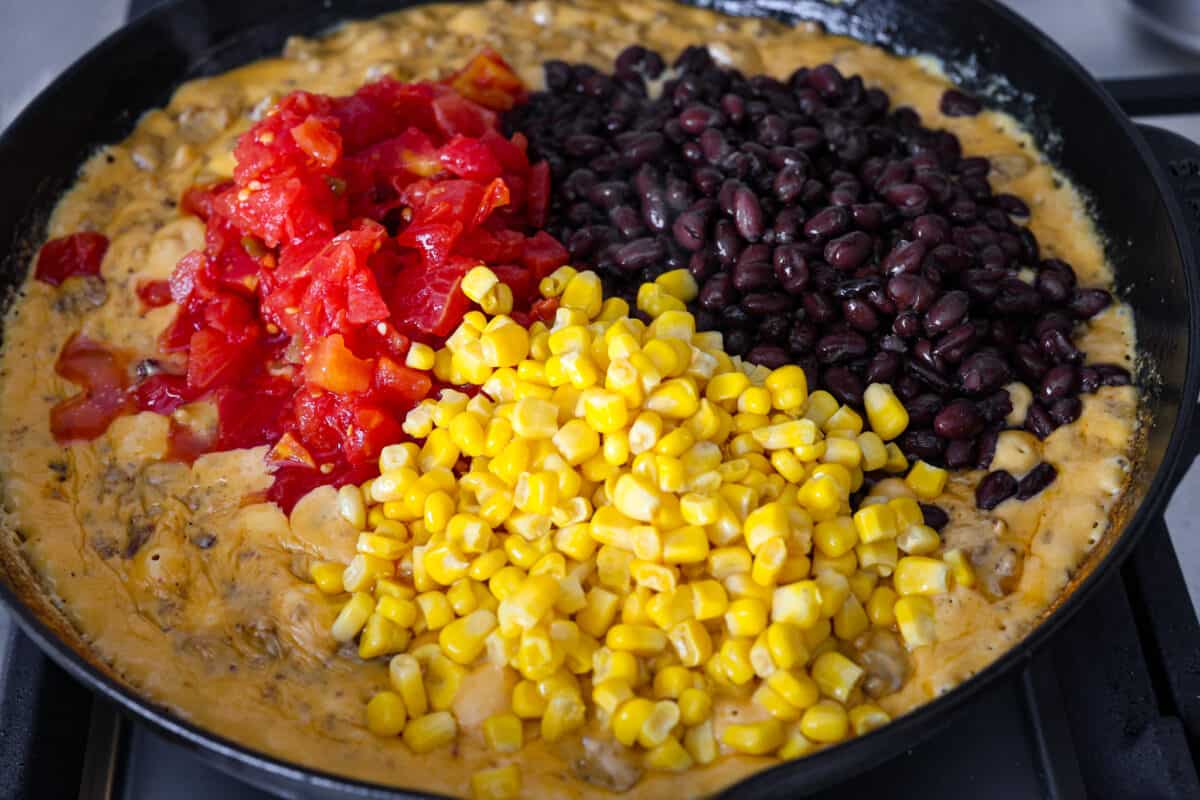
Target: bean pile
column 826, row 229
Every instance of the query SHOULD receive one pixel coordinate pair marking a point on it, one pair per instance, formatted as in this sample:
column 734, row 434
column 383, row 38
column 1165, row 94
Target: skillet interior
column 99, row 98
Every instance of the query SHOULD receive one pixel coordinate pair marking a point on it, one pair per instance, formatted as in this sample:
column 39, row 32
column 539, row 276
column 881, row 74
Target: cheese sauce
column 197, row 593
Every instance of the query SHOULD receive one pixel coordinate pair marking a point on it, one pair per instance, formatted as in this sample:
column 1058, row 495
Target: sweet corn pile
column 641, row 526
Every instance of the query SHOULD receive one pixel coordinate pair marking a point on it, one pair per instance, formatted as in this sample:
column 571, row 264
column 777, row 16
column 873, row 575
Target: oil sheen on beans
column 192, row 588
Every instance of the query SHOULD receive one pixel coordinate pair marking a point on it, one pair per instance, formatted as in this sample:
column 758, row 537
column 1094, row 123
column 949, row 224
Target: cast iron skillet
column 988, row 49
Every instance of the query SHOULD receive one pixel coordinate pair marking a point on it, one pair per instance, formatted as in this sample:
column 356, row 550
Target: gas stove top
column 1110, row 709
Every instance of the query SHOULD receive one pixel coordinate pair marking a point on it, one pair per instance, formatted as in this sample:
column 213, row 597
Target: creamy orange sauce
column 199, row 597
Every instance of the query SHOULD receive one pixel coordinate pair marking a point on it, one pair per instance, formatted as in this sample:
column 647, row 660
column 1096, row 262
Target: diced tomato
column 74, row 254
column 543, row 254
column 522, row 281
column 212, row 358
column 154, row 294
column 289, row 450
column 162, row 393
column 431, row 300
column 456, row 115
column 86, row 415
column 400, row 383
column 199, row 199
column 318, row 139
column 537, row 200
column 371, row 430
column 333, row 367
column 470, row 158
column 490, row 81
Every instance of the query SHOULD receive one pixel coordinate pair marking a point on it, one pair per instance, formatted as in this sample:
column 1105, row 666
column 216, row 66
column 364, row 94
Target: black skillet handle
column 1180, row 159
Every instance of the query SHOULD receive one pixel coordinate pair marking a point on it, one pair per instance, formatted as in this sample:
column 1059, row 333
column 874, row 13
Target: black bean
column 1011, row 204
column 994, row 489
column 827, row 222
column 983, row 373
column 1059, row 381
column 883, row 367
column 714, row 145
column 960, row 454
column 767, row 355
column 904, row 259
column 849, row 250
column 844, row 385
column 1087, row 303
column 718, row 292
column 639, row 253
column 728, row 243
column 764, row 303
column 608, row 194
column 791, row 268
column 819, row 307
column 958, row 420
column 707, row 180
column 947, row 312
column 860, row 315
column 688, row 230
column 956, row 344
column 803, row 337
column 935, row 516
column 995, row 407
column 925, row 445
column 986, row 449
column 1038, row 422
column 747, row 214
column 1113, row 375
column 907, row 324
column 910, row 199
column 753, row 271
column 826, row 79
column 1056, row 345
column 1036, row 480
column 835, row 348
column 628, row 221
column 1065, row 410
column 696, row 118
column 912, row 291
column 582, row 145
column 1017, row 297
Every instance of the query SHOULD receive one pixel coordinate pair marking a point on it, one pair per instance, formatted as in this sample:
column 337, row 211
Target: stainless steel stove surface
column 1110, row 709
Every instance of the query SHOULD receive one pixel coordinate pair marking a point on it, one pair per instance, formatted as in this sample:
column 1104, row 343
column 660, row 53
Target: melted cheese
column 195, row 592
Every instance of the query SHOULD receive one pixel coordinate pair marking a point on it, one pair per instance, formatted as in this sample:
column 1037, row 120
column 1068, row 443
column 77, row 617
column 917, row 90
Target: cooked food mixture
column 569, row 398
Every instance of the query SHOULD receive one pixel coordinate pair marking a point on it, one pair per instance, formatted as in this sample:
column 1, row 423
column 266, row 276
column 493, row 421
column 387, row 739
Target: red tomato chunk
column 76, row 254
column 344, row 235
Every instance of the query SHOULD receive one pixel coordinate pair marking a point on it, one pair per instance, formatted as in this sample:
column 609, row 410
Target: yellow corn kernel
column 921, row 575
column 401, row 611
column 583, row 293
column 796, row 687
column 635, row 498
column 686, row 545
column 642, row 640
column 435, row 610
column 879, row 557
column 478, row 282
column 629, row 719
column 610, row 664
column 462, row 597
column 876, row 522
column 774, row 704
column 795, row 745
column 496, row 783
column 695, row 706
column 709, row 599
column 867, row 717
column 657, row 577
column 613, row 308
column 919, row 540
column 463, row 640
column 487, row 564
column 698, row 509
column 670, row 756
column 727, row 387
column 885, row 412
column 926, row 481
column 679, row 283
column 644, row 433
column 669, row 682
column 527, row 701
column 404, row 674
column 835, row 537
column 691, row 642
column 535, row 418
column 556, row 282
column 825, row 722
column 747, row 616
column 565, row 711
column 353, row 616
column 785, row 643
column 431, row 731
column 850, row 620
column 914, row 617
column 386, row 714
column 610, row 694
column 769, row 562
column 726, row 561
column 735, row 658
column 528, row 604
column 381, row 637
column 657, row 727
column 754, row 738
column 327, row 575
column 420, row 356
column 960, row 567
column 676, row 398
column 837, row 675
column 797, row 603
column 820, row 494
column 700, row 743
column 874, row 451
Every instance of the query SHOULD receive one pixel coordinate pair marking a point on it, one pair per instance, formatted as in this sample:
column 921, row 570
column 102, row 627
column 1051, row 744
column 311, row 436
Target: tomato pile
column 343, row 237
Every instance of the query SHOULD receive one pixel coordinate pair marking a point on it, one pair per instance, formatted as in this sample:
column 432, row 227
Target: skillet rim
column 820, row 769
